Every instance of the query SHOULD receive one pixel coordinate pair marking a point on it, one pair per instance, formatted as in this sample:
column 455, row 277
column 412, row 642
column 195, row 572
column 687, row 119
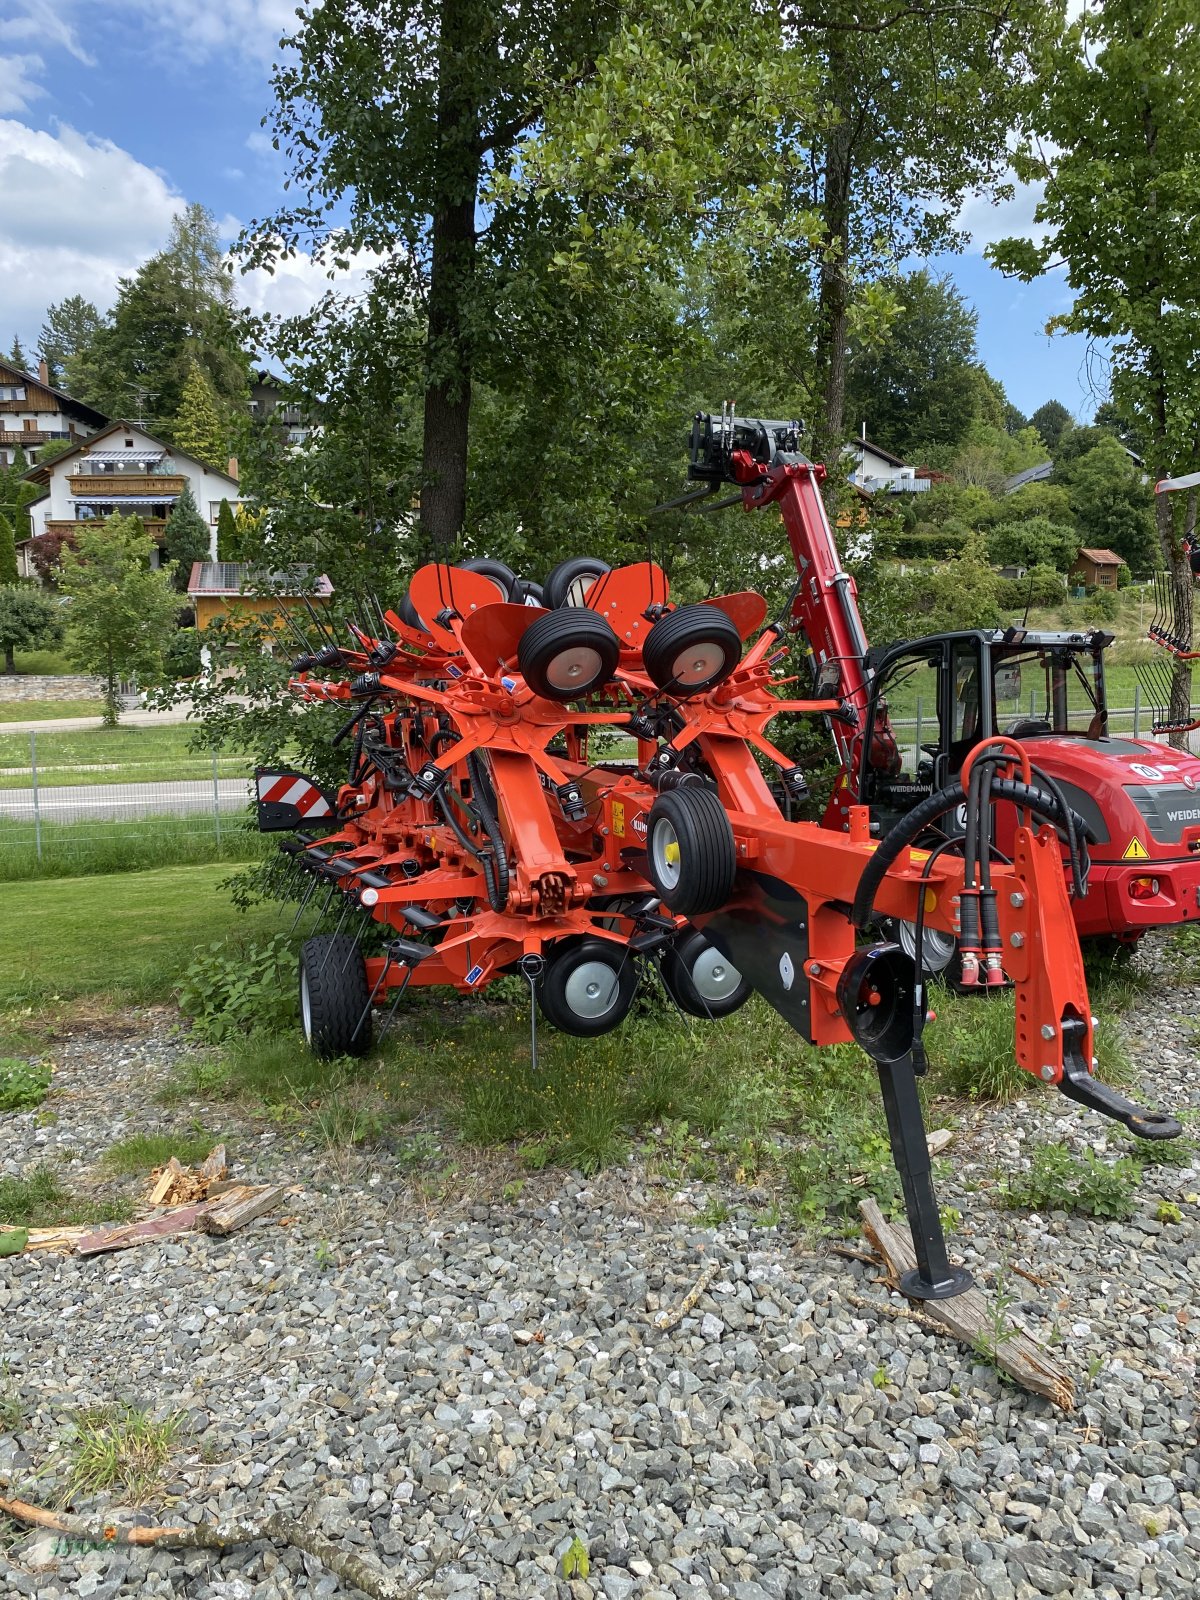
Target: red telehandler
column 1140, row 801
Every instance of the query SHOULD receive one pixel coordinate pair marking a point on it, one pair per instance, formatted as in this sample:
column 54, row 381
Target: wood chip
column 165, row 1180
column 971, row 1318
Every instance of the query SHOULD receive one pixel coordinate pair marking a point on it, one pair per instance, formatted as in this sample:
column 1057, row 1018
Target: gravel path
column 464, row 1385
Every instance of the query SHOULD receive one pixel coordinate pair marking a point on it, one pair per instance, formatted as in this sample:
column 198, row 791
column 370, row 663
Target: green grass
column 44, row 663
column 47, row 710
column 40, row 1200
column 157, row 754
column 120, row 1448
column 129, row 938
column 141, row 1152
column 98, row 846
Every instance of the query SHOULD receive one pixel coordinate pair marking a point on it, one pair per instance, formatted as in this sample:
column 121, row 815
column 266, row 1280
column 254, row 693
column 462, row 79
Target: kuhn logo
column 639, row 826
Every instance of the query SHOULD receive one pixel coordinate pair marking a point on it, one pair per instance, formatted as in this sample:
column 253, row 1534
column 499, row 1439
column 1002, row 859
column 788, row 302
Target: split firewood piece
column 280, row 1529
column 972, row 1318
column 939, row 1140
column 127, row 1234
column 232, row 1212
column 213, row 1168
column 164, row 1181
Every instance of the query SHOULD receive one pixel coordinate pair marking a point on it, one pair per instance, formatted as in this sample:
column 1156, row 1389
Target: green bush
column 236, row 987
column 182, row 657
column 1101, row 605
column 23, row 1084
column 1041, row 586
column 1059, row 1181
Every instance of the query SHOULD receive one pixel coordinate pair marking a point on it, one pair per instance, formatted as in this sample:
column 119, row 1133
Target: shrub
column 23, row 1084
column 1059, row 1181
column 236, row 987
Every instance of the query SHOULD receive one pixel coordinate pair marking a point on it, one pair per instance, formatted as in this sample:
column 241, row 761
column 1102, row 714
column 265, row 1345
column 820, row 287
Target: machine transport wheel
column 333, row 996
column 503, row 577
column 566, row 654
column 939, row 950
column 588, row 988
column 691, row 650
column 701, row 980
column 407, row 612
column 568, row 583
column 529, row 593
column 691, row 851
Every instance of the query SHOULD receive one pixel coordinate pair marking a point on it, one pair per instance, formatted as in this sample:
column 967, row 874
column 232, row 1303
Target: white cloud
column 300, row 281
column 43, row 23
column 988, row 221
column 17, row 86
column 252, row 27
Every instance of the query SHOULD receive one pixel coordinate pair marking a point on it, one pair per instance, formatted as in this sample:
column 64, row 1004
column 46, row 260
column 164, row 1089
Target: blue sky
column 113, row 116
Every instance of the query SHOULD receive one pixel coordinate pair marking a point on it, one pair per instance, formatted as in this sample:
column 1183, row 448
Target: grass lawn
column 128, row 937
column 48, row 710
column 111, row 845
column 111, row 755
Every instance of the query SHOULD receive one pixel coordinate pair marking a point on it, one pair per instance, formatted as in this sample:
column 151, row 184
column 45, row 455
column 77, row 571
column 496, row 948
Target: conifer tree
column 227, row 533
column 197, row 427
column 186, row 538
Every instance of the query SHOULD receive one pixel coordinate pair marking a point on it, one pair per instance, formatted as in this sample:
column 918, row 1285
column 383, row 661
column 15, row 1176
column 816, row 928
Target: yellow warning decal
column 1135, row 850
column 618, row 816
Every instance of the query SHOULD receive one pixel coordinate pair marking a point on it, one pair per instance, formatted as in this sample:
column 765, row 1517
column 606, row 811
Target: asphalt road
column 120, row 801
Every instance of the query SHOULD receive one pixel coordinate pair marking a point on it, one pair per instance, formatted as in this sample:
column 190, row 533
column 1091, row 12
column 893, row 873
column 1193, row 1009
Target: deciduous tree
column 29, row 620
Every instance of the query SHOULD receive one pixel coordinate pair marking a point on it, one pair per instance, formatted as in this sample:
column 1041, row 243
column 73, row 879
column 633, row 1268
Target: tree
column 919, row 387
column 29, row 620
column 53, row 448
column 197, row 427
column 177, row 308
column 8, row 552
column 1033, row 542
column 68, row 333
column 227, row 533
column 46, row 552
column 966, row 590
column 1112, row 504
column 17, row 356
column 1052, row 420
column 187, row 538
column 122, row 612
column 1117, row 147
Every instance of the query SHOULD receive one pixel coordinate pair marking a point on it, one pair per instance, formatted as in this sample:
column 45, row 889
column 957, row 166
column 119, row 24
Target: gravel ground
column 368, row 1363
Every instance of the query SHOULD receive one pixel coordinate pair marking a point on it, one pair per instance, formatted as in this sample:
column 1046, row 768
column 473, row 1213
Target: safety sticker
column 475, row 974
column 618, row 816
column 1135, row 850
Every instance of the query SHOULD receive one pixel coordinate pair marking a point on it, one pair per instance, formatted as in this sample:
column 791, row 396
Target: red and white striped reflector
column 289, row 790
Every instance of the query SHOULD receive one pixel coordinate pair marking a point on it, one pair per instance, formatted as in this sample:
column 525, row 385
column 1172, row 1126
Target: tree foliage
column 1033, row 542
column 198, row 427
column 1052, row 420
column 8, row 552
column 29, row 620
column 186, row 538
column 1112, row 505
column 70, row 329
column 122, row 611
column 228, row 537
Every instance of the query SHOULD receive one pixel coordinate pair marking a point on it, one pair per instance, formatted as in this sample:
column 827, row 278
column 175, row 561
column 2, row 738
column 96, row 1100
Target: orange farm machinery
column 485, row 827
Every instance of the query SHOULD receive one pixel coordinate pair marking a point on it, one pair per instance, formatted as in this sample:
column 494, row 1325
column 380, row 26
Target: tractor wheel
column 588, row 988
column 701, row 980
column 566, row 654
column 407, row 612
column 568, row 583
column 691, row 650
column 691, row 851
column 333, row 997
column 529, row 593
column 503, row 577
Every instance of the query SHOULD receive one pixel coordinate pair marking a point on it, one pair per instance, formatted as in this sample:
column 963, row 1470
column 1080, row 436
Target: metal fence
column 53, row 802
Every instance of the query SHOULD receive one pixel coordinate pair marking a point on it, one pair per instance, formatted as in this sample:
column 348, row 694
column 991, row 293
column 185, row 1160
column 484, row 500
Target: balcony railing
column 34, row 436
column 117, row 483
column 155, row 526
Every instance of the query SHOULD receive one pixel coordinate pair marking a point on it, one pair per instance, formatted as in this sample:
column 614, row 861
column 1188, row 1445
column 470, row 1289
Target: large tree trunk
column 833, row 298
column 452, row 264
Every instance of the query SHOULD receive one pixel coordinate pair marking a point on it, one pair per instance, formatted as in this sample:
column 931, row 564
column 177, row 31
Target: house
column 233, row 589
column 1096, row 569
column 878, row 471
column 121, row 471
column 32, row 413
column 267, row 404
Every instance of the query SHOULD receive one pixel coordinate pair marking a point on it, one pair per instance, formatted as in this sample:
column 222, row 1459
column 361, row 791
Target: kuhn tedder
column 477, row 828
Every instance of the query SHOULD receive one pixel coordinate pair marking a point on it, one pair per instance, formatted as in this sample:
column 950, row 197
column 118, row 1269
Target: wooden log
column 131, row 1233
column 972, row 1318
column 229, row 1214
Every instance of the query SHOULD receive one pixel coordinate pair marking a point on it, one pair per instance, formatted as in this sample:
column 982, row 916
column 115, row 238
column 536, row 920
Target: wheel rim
column 937, row 948
column 714, row 975
column 579, row 589
column 577, row 668
column 698, row 663
column 591, row 990
column 664, row 854
column 305, row 1005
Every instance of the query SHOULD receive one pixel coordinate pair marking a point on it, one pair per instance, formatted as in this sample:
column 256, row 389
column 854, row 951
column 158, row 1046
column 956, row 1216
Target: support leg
column 934, row 1278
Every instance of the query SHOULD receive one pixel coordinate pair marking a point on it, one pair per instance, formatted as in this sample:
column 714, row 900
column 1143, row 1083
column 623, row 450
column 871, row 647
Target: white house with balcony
column 32, row 412
column 122, row 471
column 877, row 471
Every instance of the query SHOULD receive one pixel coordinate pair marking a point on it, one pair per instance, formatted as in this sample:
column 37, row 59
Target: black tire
column 407, row 612
column 530, row 593
column 691, row 851
column 333, row 997
column 503, row 577
column 588, row 988
column 701, row 980
column 566, row 654
column 691, row 650
column 567, row 583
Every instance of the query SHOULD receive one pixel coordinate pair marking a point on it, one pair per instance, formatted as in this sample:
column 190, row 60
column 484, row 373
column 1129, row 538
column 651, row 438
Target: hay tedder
column 576, row 785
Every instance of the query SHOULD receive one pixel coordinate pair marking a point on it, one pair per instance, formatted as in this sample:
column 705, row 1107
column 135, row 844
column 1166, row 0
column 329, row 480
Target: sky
column 112, row 117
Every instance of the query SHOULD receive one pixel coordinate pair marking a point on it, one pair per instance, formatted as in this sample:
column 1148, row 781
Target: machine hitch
column 1078, row 1084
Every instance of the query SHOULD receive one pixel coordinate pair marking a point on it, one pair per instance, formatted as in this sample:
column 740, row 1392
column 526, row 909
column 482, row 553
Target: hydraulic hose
column 482, row 799
column 909, row 828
